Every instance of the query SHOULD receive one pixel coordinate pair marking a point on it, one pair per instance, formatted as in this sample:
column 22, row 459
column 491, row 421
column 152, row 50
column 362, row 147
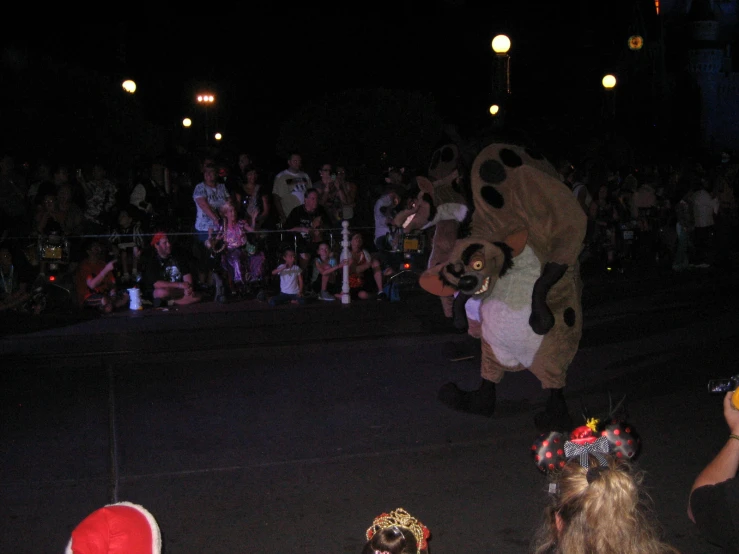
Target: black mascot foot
column 478, row 402
column 556, row 416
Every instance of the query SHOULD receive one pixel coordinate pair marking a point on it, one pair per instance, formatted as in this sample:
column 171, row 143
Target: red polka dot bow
column 597, row 449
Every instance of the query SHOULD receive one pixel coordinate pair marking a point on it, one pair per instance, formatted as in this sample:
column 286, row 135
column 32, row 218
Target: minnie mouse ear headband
column 397, row 519
column 551, row 451
column 122, row 528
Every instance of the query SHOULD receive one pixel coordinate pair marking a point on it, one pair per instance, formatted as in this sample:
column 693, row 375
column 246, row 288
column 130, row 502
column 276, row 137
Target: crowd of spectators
column 679, row 217
column 215, row 227
column 228, row 223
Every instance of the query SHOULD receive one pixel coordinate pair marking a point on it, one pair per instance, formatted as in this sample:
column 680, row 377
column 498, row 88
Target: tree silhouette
column 370, row 128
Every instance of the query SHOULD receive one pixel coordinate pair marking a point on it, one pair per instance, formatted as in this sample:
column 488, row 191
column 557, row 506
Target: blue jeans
column 284, row 298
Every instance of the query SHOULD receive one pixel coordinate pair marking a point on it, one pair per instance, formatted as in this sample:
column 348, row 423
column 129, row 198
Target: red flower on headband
column 582, row 435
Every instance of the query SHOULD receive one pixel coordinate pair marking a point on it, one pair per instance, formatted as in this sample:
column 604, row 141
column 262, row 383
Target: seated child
column 15, row 281
column 365, row 273
column 397, row 533
column 95, row 283
column 291, row 281
column 325, row 280
column 126, row 239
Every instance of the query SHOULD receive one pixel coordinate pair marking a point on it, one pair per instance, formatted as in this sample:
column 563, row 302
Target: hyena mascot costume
column 520, row 263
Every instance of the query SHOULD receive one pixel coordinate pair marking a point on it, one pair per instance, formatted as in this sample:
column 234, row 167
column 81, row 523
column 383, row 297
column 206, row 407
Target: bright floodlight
column 218, row 136
column 609, row 81
column 186, row 122
column 129, row 86
column 501, row 44
column 494, row 109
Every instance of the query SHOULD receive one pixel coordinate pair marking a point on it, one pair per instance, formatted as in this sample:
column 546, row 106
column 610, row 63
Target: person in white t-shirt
column 288, row 190
column 209, row 196
column 705, row 207
column 291, row 281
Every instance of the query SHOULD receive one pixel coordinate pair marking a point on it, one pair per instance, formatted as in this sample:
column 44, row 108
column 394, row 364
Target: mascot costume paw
column 519, row 269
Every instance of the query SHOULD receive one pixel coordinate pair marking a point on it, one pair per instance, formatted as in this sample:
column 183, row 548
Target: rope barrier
column 330, row 230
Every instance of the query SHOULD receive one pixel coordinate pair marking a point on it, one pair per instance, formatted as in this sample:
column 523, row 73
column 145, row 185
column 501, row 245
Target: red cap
column 122, row 528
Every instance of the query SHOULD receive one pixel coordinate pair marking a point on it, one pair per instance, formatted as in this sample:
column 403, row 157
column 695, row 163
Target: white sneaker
column 327, row 296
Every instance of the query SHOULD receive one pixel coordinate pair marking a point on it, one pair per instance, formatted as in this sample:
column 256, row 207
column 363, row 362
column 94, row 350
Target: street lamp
column 206, row 99
column 609, row 81
column 218, row 136
column 609, row 84
column 129, row 86
column 187, row 122
column 494, row 109
column 501, row 45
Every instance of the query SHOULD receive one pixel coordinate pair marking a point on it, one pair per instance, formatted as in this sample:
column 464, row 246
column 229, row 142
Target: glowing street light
column 206, row 99
column 609, row 84
column 609, row 81
column 501, row 45
column 187, row 122
column 129, row 86
column 218, row 136
column 494, row 109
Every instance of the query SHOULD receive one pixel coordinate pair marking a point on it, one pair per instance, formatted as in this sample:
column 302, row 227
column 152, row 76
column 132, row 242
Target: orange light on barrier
column 406, row 265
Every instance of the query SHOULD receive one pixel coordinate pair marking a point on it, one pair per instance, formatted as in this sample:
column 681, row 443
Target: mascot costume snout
column 519, row 269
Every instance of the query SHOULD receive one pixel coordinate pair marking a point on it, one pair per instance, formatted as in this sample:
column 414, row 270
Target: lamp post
column 501, row 45
column 609, row 84
column 206, row 99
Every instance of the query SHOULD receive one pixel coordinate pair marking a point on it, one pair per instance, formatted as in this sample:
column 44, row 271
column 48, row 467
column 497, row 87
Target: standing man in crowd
column 705, row 207
column 384, row 210
column 289, row 187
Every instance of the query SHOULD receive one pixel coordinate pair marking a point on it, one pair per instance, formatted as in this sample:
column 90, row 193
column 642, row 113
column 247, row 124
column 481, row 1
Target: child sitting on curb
column 291, row 281
column 324, row 280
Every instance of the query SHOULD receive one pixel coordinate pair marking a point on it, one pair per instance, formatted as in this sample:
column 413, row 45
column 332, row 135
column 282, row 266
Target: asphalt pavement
column 244, row 427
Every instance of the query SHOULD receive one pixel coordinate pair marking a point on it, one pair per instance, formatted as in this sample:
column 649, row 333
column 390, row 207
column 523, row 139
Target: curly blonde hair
column 602, row 510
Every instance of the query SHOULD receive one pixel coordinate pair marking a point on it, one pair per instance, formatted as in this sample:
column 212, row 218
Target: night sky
column 261, row 67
